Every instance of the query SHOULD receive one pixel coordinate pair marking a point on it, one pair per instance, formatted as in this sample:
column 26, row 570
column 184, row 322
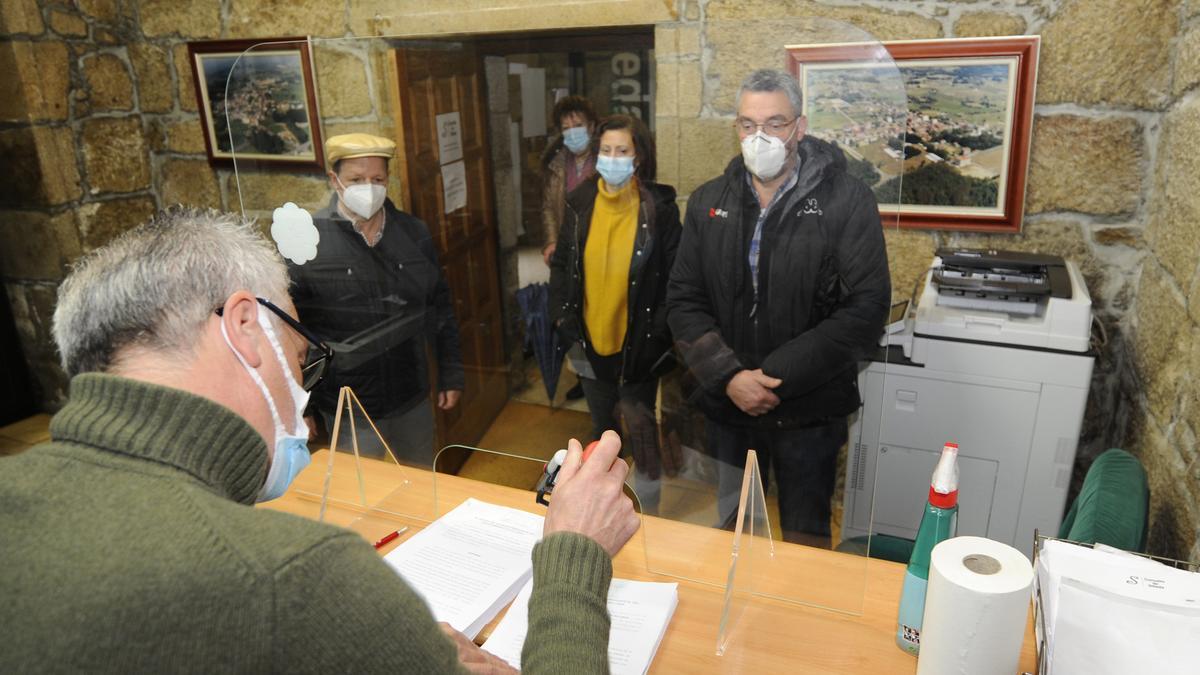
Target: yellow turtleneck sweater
column 606, row 258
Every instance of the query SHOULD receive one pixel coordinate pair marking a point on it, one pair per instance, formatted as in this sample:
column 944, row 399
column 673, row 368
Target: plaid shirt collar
column 756, row 239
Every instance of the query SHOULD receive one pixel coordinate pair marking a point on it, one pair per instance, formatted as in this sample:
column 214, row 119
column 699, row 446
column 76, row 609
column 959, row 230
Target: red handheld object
column 587, row 452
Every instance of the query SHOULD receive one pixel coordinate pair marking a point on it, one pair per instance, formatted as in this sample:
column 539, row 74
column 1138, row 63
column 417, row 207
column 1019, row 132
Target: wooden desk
column 770, row 636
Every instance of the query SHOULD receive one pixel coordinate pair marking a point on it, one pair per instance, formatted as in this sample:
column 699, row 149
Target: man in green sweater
column 129, row 542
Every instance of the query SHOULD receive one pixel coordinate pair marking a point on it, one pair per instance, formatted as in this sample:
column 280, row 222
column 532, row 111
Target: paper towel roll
column 975, row 608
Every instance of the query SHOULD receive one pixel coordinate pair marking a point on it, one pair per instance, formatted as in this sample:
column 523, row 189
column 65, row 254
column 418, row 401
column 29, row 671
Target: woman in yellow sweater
column 608, row 285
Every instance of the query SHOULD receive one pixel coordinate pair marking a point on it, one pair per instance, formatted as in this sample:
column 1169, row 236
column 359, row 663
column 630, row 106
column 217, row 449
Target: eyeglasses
column 775, row 127
column 320, row 355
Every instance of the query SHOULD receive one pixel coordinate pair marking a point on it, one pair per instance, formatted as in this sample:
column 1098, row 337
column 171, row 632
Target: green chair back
column 1113, row 505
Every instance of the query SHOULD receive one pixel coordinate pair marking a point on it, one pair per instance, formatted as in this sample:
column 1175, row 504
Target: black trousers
column 804, row 461
column 602, row 397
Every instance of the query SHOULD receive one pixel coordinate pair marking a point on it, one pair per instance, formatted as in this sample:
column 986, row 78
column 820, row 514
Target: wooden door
column 435, row 81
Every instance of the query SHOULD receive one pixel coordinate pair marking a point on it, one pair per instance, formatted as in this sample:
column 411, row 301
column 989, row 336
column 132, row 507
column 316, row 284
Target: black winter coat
column 378, row 307
column 647, row 350
column 824, row 290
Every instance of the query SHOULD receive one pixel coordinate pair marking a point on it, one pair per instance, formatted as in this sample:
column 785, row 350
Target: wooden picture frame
column 272, row 117
column 964, row 154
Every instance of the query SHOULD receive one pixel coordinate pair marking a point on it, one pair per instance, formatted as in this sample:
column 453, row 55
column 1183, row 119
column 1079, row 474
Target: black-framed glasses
column 320, row 355
column 775, row 127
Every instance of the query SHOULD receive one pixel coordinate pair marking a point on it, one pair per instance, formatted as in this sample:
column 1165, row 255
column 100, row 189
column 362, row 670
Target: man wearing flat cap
column 376, row 292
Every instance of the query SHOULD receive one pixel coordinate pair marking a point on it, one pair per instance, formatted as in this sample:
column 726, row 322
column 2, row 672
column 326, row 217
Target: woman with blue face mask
column 567, row 163
column 608, row 285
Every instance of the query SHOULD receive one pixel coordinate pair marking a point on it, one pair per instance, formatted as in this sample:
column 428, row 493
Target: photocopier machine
column 997, row 359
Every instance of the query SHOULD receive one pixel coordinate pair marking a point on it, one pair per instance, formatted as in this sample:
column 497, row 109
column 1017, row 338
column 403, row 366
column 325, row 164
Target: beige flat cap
column 349, row 146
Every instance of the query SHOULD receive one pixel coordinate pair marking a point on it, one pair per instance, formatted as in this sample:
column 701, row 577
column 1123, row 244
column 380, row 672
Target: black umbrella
column 547, row 346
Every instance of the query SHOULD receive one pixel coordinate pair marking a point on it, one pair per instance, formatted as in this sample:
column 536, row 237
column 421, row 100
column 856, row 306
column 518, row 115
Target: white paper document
column 1100, row 633
column 449, row 134
column 470, row 563
column 1106, row 609
column 639, row 611
column 454, row 186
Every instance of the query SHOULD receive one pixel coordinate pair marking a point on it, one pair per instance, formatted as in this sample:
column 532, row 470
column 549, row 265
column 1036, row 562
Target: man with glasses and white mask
column 376, row 290
column 130, row 539
column 779, row 287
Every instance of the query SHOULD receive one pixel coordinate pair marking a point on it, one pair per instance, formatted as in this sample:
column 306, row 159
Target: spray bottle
column 937, row 524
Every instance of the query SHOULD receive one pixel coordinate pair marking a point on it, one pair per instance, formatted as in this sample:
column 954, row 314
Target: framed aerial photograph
column 957, row 158
column 257, row 102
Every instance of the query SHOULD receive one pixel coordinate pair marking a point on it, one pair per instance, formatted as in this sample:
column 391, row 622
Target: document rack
column 1039, row 618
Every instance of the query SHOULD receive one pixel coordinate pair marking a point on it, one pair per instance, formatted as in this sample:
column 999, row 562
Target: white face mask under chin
column 290, row 449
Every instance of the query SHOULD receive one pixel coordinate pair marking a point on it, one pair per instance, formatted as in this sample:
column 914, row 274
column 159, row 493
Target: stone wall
column 98, row 128
column 1159, row 384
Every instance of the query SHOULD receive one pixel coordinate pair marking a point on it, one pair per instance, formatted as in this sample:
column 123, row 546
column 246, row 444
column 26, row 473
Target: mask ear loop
column 795, row 126
column 262, row 386
column 292, row 387
column 342, row 194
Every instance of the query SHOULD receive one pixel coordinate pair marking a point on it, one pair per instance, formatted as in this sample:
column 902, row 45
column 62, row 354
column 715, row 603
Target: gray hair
column 773, row 80
column 155, row 286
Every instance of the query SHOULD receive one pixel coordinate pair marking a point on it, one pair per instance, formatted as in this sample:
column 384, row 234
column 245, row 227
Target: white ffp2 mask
column 364, row 199
column 764, row 155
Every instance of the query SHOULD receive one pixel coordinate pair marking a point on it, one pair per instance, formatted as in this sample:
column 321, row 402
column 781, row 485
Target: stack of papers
column 470, row 563
column 639, row 611
column 476, row 559
column 1108, row 611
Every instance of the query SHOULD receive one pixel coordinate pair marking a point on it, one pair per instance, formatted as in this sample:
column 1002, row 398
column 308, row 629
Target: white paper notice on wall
column 533, row 102
column 454, row 186
column 449, row 133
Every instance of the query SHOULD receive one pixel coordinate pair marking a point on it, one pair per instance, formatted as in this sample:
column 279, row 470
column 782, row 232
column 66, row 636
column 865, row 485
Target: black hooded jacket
column 647, row 349
column 824, row 290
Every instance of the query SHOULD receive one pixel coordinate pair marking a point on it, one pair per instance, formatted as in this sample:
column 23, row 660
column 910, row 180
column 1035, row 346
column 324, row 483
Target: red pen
column 388, row 538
